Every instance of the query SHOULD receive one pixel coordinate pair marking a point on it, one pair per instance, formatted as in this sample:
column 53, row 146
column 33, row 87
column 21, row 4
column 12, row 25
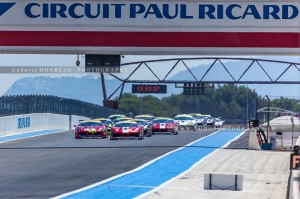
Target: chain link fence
column 26, row 104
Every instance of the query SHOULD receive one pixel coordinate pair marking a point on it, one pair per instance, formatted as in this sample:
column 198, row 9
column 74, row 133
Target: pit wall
column 11, row 125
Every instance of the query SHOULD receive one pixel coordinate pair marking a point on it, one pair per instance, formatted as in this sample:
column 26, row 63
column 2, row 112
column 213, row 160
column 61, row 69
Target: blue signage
column 160, row 11
column 23, row 122
column 4, row 7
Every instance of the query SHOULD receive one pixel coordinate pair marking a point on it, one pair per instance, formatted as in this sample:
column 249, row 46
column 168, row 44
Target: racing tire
column 112, row 138
column 78, row 137
column 105, row 136
column 175, row 133
column 148, row 134
column 141, row 136
column 106, row 133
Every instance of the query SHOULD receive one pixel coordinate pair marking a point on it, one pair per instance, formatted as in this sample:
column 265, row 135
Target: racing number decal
column 125, row 129
column 162, row 125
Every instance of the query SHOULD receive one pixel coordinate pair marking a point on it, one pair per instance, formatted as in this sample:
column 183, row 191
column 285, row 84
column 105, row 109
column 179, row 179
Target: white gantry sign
column 150, row 27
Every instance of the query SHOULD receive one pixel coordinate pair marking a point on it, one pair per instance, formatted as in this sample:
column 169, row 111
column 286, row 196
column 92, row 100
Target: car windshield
column 126, row 125
column 108, row 122
column 103, row 121
column 142, row 123
column 143, row 117
column 113, row 117
column 162, row 121
column 199, row 117
column 183, row 118
column 90, row 124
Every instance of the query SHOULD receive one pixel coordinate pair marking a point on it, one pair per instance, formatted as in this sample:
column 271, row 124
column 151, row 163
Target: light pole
column 268, row 117
column 198, row 104
column 292, row 120
column 141, row 105
column 247, row 106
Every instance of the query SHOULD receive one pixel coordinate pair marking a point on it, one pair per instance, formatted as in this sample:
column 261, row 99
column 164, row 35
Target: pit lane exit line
column 157, row 172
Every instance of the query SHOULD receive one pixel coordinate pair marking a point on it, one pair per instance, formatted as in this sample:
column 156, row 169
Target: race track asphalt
column 50, row 165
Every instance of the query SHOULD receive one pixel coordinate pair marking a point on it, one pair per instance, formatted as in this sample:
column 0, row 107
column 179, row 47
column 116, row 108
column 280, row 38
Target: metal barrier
column 26, row 104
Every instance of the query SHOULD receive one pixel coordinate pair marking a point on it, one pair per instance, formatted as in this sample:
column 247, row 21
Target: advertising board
column 150, row 27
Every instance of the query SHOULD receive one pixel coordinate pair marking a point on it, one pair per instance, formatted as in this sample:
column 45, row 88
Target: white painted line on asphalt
column 19, row 135
column 22, row 133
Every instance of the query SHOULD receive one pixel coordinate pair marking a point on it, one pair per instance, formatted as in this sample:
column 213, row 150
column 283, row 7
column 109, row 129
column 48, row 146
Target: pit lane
column 50, row 165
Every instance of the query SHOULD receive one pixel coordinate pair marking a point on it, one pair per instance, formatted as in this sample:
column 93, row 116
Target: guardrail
column 26, row 104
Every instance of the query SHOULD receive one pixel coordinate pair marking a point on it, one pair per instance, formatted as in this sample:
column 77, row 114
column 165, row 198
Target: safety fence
column 26, row 104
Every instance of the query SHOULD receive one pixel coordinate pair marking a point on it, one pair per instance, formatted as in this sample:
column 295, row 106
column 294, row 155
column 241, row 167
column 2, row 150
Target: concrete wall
column 15, row 124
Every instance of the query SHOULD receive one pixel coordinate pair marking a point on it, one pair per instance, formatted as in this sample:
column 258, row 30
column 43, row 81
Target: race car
column 115, row 116
column 218, row 123
column 186, row 121
column 201, row 120
column 107, row 122
column 147, row 117
column 210, row 121
column 90, row 129
column 145, row 125
column 126, row 129
column 164, row 125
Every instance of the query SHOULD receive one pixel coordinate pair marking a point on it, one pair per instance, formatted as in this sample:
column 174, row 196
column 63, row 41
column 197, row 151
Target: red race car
column 127, row 129
column 90, row 129
column 164, row 125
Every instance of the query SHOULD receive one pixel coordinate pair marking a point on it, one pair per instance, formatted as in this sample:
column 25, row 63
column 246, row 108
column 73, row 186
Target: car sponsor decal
column 125, row 129
column 162, row 125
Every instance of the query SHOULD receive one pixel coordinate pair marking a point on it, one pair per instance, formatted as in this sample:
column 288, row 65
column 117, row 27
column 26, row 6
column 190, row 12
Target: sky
column 273, row 91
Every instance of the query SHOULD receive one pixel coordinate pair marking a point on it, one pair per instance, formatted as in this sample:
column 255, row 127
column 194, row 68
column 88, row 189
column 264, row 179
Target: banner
column 150, row 27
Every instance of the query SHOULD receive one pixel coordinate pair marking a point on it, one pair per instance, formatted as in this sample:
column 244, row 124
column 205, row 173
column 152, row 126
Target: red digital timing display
column 142, row 88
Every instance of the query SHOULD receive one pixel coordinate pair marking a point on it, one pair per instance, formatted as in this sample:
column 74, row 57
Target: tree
column 226, row 101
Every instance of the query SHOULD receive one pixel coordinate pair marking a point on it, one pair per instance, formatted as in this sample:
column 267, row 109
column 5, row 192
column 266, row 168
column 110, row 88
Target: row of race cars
column 146, row 125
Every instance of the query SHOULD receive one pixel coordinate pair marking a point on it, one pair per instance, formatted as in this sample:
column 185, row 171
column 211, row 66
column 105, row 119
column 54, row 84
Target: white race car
column 218, row 123
column 186, row 122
